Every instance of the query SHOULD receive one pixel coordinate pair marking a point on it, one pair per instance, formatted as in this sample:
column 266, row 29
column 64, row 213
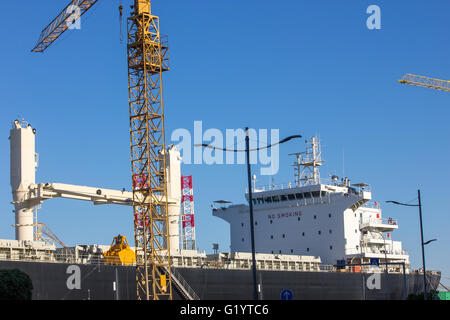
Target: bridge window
column 268, row 199
column 276, row 199
column 299, row 196
column 291, row 196
column 283, row 197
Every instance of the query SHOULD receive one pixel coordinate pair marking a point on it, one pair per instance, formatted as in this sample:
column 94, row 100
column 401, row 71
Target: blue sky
column 304, row 67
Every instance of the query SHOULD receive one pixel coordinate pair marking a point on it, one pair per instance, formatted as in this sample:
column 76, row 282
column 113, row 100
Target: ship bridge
column 329, row 218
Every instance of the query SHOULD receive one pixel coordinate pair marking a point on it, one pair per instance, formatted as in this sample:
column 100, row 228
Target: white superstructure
column 333, row 220
column 23, row 175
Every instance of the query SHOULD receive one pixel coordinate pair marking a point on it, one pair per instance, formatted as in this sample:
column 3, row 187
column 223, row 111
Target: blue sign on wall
column 287, row 295
column 375, row 262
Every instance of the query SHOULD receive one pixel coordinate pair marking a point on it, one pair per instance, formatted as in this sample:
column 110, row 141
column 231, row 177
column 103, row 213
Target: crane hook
column 120, row 18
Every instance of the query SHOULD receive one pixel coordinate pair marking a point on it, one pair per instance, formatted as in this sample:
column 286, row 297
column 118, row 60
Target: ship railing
column 282, row 186
column 327, row 267
column 375, row 250
column 272, row 187
column 294, row 184
column 53, row 258
column 358, row 269
column 182, row 285
column 371, row 204
column 388, row 221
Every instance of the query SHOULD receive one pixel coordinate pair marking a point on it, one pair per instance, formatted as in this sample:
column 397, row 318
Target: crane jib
column 62, row 22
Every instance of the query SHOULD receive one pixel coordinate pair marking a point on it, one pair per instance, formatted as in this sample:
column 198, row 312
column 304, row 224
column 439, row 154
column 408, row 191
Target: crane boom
column 61, row 23
column 426, row 82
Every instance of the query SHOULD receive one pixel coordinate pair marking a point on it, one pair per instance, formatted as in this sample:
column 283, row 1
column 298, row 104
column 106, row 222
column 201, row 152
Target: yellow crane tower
column 426, row 82
column 147, row 59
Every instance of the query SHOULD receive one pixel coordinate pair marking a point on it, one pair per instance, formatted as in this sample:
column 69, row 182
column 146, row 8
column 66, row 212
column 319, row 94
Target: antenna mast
column 308, row 163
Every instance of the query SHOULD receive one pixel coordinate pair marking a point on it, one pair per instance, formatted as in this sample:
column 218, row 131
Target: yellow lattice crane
column 426, row 82
column 147, row 59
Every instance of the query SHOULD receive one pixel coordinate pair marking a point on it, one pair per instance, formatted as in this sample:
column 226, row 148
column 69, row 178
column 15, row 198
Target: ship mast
column 308, row 163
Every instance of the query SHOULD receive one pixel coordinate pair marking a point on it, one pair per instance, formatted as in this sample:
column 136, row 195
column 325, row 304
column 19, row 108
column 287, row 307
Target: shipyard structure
column 315, row 239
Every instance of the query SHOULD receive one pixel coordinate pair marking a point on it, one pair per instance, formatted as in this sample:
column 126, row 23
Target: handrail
column 389, row 221
column 291, row 185
column 182, row 285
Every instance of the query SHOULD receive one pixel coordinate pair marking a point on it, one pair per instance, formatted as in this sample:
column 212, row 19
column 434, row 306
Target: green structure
column 444, row 295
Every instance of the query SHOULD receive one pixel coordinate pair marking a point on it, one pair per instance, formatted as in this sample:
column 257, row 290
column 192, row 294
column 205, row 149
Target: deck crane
column 426, row 82
column 148, row 58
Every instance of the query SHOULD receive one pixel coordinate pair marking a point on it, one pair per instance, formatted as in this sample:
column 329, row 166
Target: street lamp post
column 421, row 237
column 250, row 202
column 423, row 250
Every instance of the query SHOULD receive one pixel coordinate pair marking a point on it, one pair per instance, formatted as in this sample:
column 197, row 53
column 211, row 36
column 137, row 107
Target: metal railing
column 184, row 287
column 375, row 251
column 290, row 185
column 371, row 204
column 388, row 221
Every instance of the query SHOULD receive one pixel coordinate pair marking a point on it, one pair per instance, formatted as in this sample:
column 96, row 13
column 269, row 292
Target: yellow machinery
column 421, row 81
column 148, row 57
column 120, row 252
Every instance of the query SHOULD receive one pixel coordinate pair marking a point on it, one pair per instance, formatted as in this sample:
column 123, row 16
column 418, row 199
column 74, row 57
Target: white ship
column 334, row 220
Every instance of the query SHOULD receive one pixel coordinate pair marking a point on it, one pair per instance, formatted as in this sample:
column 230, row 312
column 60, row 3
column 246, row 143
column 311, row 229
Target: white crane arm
column 37, row 193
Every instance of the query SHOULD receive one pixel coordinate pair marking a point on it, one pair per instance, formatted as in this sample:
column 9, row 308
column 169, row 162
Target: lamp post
column 250, row 202
column 423, row 244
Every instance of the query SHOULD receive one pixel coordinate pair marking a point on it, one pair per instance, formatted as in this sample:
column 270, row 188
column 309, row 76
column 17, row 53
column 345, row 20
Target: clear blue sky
column 299, row 66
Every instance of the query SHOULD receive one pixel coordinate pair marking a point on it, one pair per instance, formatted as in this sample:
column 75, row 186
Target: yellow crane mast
column 147, row 59
column 426, row 82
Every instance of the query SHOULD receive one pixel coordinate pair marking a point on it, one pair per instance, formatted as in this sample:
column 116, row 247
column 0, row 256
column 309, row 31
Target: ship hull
column 57, row 281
